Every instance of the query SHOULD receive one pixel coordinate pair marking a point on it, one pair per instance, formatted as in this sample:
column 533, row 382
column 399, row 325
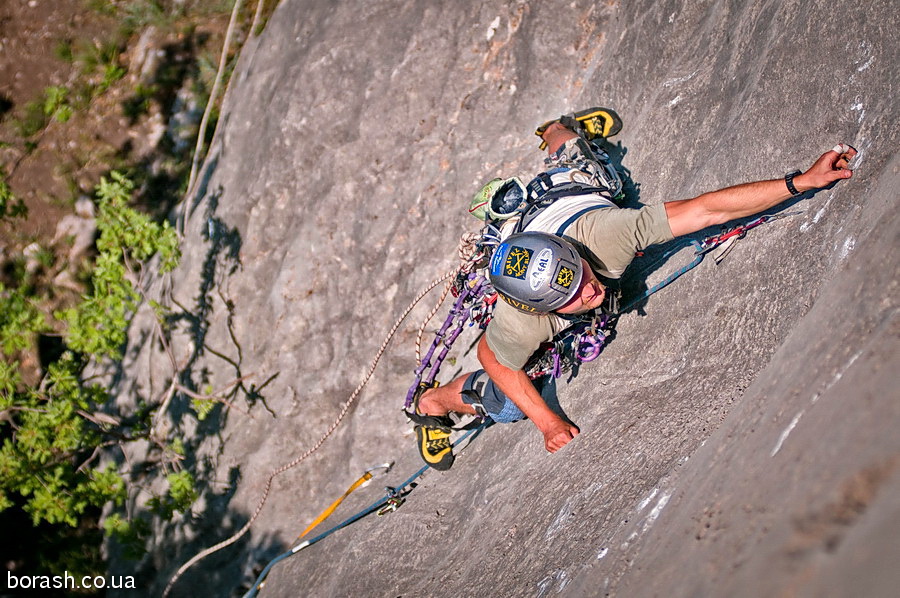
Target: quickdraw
column 474, row 303
column 391, row 501
column 361, row 482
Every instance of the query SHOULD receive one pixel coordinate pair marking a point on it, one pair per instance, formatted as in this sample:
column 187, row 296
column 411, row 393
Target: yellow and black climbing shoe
column 434, row 446
column 590, row 124
column 432, row 433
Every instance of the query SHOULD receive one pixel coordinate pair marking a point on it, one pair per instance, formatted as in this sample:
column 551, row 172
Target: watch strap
column 789, row 181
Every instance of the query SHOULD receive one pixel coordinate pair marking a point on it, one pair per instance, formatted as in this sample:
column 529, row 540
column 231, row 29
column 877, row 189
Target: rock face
column 738, row 436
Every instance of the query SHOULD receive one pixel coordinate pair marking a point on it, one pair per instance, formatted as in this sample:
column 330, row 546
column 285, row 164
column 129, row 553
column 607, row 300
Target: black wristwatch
column 789, row 181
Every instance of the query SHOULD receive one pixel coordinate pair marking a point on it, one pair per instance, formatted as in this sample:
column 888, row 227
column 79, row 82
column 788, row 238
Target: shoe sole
column 602, row 122
column 442, row 461
column 598, row 122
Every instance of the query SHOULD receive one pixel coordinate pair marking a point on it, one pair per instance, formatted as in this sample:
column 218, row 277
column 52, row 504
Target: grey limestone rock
column 738, row 438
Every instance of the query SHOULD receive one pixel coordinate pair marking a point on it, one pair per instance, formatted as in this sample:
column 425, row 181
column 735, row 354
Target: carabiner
column 384, row 466
column 391, row 505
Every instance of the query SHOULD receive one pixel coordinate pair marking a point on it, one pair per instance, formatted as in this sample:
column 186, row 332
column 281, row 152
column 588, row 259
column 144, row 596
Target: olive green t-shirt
column 608, row 238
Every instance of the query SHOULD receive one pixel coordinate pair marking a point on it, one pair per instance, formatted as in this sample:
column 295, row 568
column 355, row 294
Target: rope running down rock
column 468, row 260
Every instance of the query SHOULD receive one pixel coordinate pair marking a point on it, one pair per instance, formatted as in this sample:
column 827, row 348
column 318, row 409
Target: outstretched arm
column 516, row 385
column 690, row 215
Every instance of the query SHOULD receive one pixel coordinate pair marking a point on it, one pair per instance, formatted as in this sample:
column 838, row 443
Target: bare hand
column 558, row 435
column 830, row 167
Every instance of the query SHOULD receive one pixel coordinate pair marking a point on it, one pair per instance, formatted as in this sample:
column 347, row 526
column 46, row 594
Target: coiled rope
column 468, row 254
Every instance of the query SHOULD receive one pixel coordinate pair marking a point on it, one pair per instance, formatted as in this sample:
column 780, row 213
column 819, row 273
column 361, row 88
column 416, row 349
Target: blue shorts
column 495, row 404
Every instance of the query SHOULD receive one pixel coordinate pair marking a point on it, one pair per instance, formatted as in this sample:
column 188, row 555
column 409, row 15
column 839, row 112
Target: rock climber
column 554, row 268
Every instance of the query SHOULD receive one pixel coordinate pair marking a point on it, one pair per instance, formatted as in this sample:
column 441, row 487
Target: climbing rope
column 391, row 501
column 220, row 72
column 465, row 243
column 723, row 241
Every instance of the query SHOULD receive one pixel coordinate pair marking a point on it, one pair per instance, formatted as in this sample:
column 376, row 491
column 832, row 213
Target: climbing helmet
column 536, row 272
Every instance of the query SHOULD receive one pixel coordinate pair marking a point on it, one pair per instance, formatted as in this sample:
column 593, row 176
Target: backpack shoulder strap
column 536, row 206
column 568, row 222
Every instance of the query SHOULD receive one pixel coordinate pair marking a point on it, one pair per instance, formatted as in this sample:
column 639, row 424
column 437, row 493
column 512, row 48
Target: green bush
column 56, row 104
column 10, row 205
column 127, row 239
column 52, row 434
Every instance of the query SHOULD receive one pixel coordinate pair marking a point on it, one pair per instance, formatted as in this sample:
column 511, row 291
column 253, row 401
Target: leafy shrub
column 56, row 103
column 10, row 205
column 52, row 433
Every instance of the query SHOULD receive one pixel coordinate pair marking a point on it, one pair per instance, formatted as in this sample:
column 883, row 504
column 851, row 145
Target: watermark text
column 67, row 581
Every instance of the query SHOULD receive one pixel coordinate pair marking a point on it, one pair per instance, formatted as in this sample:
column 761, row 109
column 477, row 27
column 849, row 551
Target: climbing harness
column 393, row 498
column 583, row 340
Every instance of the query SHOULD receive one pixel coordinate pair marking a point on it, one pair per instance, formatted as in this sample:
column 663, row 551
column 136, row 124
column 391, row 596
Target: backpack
column 508, row 207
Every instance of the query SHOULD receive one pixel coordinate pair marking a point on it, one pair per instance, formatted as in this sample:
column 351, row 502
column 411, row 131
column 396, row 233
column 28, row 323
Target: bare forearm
column 516, row 385
column 717, row 207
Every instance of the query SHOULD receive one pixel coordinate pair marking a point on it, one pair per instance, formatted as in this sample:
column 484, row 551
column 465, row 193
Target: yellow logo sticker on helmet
column 565, row 277
column 517, row 261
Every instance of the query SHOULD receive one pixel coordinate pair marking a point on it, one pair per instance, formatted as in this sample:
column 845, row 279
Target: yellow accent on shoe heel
column 596, row 122
column 435, row 447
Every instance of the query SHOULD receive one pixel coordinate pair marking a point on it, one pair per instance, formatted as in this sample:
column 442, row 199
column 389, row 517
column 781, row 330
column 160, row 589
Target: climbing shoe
column 434, row 446
column 432, row 433
column 590, row 124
